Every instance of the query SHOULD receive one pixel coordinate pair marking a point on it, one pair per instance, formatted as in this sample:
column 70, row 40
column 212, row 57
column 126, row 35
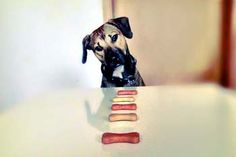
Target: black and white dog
column 109, row 46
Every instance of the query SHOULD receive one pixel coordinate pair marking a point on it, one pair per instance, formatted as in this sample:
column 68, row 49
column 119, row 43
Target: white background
column 41, row 46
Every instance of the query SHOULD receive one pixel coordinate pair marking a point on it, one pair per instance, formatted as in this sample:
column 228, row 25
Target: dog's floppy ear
column 86, row 46
column 123, row 24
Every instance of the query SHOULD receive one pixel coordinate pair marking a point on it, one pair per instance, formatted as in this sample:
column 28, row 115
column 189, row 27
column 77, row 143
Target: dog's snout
column 112, row 51
column 114, row 57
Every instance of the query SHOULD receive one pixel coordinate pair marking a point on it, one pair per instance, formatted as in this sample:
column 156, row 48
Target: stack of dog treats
column 123, row 101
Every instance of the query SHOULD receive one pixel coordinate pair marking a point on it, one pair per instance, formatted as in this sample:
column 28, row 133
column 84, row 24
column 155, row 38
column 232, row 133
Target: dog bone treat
column 115, row 107
column 127, row 92
column 122, row 117
column 131, row 137
column 123, row 99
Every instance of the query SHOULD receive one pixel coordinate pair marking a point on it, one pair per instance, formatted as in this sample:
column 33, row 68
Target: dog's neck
column 116, row 81
column 118, row 72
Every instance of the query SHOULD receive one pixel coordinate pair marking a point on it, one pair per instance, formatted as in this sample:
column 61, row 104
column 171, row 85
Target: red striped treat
column 127, row 92
column 131, row 137
column 115, row 107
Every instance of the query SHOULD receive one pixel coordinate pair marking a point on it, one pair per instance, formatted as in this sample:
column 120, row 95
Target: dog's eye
column 98, row 48
column 114, row 38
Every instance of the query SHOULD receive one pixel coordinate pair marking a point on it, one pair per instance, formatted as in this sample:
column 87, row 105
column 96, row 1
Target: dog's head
column 108, row 42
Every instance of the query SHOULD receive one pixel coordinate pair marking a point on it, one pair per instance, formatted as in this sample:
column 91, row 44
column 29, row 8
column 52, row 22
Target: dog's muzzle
column 114, row 57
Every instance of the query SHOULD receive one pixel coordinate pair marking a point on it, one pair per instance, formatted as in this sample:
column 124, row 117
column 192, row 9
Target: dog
column 109, row 45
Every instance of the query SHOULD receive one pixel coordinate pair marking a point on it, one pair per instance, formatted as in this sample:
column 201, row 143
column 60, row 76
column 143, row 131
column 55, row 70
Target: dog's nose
column 114, row 59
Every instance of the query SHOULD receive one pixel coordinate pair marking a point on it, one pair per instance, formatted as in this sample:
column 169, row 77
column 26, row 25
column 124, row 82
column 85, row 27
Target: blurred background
column 175, row 42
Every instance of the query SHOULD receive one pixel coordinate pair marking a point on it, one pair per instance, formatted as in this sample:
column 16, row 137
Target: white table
column 174, row 121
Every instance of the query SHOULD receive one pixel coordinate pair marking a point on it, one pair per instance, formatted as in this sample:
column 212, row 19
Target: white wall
column 40, row 46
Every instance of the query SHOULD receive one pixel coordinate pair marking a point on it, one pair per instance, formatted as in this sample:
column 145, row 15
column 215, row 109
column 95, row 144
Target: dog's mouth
column 116, row 61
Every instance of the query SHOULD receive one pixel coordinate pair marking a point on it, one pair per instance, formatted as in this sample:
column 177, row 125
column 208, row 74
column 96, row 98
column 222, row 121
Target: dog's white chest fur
column 118, row 71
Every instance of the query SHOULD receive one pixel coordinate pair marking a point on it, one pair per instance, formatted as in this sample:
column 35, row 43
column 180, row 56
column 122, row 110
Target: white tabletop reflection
column 173, row 121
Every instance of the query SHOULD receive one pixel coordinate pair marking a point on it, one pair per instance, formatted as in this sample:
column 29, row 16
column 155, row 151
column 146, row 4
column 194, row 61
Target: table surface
column 173, row 121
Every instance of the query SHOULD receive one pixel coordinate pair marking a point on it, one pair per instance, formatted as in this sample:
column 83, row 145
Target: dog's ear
column 123, row 24
column 86, row 46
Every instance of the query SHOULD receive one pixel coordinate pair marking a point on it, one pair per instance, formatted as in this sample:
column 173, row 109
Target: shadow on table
column 99, row 119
